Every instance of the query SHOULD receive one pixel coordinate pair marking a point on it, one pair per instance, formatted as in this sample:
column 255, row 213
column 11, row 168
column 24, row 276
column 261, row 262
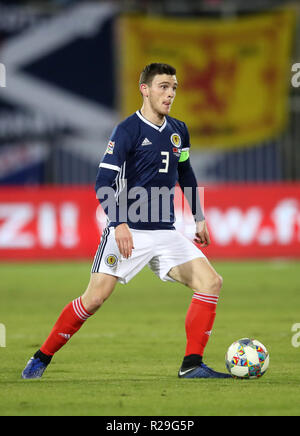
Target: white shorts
column 161, row 250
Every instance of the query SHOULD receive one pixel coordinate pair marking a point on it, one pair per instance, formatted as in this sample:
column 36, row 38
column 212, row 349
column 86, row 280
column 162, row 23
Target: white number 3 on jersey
column 165, row 162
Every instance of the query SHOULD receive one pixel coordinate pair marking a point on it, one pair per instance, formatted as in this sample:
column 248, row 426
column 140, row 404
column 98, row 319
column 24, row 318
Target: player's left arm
column 187, row 179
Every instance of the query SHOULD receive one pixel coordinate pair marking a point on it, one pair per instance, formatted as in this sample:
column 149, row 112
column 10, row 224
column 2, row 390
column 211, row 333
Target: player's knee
column 219, row 283
column 94, row 303
column 97, row 293
column 214, row 284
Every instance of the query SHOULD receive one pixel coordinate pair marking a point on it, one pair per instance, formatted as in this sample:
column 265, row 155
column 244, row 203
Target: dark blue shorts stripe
column 99, row 254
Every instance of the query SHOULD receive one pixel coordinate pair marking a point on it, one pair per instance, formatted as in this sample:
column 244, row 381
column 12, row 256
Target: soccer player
column 146, row 155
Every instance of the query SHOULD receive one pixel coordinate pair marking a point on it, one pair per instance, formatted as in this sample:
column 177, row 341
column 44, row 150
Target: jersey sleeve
column 118, row 147
column 110, row 169
column 186, row 144
column 187, row 178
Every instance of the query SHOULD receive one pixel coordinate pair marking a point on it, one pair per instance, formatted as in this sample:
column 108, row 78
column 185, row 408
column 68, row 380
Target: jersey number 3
column 165, row 161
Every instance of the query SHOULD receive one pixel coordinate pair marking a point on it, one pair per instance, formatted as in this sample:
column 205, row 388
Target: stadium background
column 72, row 69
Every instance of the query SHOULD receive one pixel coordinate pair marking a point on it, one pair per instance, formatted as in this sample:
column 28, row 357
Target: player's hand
column 124, row 240
column 202, row 235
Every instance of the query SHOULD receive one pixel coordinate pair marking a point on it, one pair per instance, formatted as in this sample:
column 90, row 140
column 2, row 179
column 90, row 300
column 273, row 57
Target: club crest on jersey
column 110, row 147
column 176, row 140
column 111, row 260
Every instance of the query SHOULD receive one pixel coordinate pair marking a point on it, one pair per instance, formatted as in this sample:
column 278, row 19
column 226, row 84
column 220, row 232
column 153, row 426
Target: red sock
column 71, row 319
column 199, row 322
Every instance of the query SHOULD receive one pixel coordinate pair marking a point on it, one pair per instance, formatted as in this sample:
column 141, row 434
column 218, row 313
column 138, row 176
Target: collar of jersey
column 160, row 129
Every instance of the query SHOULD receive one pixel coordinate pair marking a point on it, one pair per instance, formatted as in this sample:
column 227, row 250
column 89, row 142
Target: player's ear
column 144, row 89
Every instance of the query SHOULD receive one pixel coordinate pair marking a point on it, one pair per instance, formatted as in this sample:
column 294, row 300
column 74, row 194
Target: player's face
column 162, row 92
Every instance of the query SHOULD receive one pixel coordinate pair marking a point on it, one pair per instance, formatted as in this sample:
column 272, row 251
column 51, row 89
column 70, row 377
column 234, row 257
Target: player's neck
column 153, row 117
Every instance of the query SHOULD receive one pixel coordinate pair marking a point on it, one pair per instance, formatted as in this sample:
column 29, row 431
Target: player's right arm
column 110, row 167
column 124, row 240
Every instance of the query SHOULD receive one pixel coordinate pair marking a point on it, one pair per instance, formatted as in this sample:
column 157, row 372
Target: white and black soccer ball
column 247, row 359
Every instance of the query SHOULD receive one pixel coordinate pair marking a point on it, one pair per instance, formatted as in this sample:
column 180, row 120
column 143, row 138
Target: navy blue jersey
column 141, row 162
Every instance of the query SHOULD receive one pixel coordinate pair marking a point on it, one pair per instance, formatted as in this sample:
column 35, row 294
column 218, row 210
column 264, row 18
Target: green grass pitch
column 124, row 361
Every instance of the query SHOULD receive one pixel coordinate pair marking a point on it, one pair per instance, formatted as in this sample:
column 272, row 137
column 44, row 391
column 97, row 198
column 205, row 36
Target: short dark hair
column 153, row 69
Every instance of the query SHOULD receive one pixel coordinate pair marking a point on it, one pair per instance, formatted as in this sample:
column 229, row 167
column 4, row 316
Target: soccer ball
column 247, row 358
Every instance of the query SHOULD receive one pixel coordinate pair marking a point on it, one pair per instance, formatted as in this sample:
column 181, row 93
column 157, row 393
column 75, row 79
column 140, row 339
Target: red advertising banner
column 48, row 223
column 253, row 221
column 245, row 221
